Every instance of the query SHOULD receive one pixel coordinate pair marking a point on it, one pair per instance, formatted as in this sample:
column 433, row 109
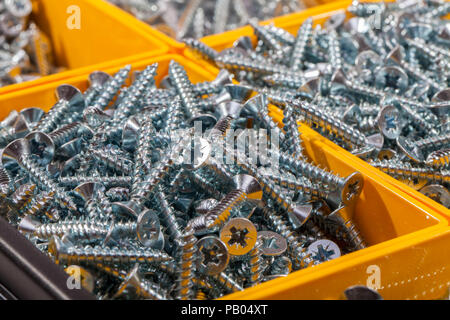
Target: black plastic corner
column 26, row 273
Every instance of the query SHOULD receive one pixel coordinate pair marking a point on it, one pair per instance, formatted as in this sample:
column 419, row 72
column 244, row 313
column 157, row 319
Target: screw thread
column 205, row 183
column 226, row 281
column 285, row 80
column 53, row 117
column 136, row 92
column 186, row 271
column 255, row 264
column 334, row 50
column 313, row 114
column 38, row 204
column 280, row 35
column 220, row 214
column 352, row 232
column 434, row 142
column 111, row 87
column 269, row 40
column 21, row 196
column 118, row 194
column 107, row 181
column 65, row 134
column 300, row 257
column 77, row 229
column 405, row 170
column 184, row 88
column 41, row 178
column 113, row 159
column 303, row 185
column 221, row 12
column 107, row 256
column 167, row 216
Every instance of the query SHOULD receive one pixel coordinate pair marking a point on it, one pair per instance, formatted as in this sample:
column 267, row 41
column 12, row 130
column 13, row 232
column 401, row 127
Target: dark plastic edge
column 27, row 274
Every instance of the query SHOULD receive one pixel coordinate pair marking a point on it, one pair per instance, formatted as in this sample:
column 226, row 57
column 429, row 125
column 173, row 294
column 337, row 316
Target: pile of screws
column 376, row 84
column 138, row 195
column 25, row 52
column 197, row 18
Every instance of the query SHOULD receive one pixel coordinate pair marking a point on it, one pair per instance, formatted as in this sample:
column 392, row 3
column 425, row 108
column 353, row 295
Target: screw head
column 353, row 187
column 324, row 250
column 213, row 255
column 149, row 230
column 367, row 60
column 391, row 76
column 130, row 287
column 200, row 150
column 386, row 154
column 335, row 21
column 29, row 224
column 94, row 116
column 300, row 215
column 129, row 134
column 89, row 190
column 13, row 152
column 409, row 149
column 18, row 8
column 42, row 145
column 72, row 95
column 239, row 93
column 389, row 122
column 32, row 115
column 272, row 243
column 99, row 78
column 239, row 235
column 438, row 193
column 249, row 185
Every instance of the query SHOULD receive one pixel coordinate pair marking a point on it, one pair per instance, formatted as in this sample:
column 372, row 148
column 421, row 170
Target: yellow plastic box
column 87, row 34
column 407, row 238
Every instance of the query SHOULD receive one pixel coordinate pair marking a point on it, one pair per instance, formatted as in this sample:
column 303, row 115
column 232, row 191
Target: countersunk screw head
column 324, row 250
column 352, row 188
column 18, row 8
column 149, row 230
column 99, row 78
column 300, row 215
column 272, row 243
column 250, row 185
column 41, row 145
column 410, row 149
column 239, row 235
column 438, row 193
column 32, row 115
column 389, row 122
column 213, row 256
column 71, row 94
column 89, row 190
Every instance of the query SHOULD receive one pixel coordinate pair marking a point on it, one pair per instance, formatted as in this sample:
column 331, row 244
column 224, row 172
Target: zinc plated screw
column 135, row 286
column 405, row 170
column 65, row 254
column 415, row 150
column 424, row 121
column 18, row 153
column 70, row 99
column 97, row 81
column 439, row 158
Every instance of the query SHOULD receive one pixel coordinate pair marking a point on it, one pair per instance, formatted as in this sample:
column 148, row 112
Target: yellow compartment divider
column 406, row 237
column 87, row 34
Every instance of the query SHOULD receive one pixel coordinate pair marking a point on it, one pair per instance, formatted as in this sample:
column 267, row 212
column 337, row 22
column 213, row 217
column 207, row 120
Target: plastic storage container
column 106, row 36
column 405, row 236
